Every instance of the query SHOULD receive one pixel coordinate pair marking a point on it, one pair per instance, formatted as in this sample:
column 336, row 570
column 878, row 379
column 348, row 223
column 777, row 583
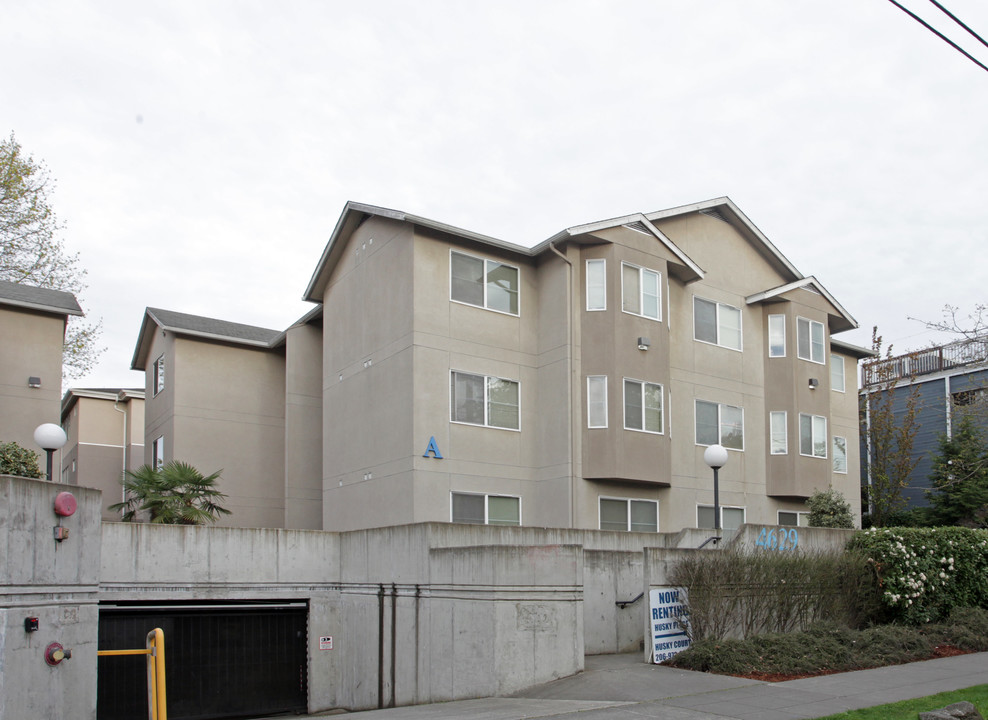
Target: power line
column 957, row 20
column 939, row 34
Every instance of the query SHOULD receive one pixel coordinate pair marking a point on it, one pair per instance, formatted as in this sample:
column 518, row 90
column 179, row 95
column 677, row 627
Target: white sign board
column 326, row 643
column 668, row 622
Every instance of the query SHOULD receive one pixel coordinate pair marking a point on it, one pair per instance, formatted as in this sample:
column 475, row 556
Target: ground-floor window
column 793, row 518
column 731, row 518
column 482, row 509
column 629, row 515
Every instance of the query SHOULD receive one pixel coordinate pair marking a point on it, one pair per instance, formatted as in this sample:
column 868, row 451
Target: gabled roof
column 688, row 271
column 73, row 395
column 197, row 326
column 843, row 319
column 723, row 208
column 56, row 302
column 355, row 213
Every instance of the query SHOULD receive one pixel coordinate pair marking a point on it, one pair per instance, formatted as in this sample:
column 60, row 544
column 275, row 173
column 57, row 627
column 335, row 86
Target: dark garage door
column 225, row 660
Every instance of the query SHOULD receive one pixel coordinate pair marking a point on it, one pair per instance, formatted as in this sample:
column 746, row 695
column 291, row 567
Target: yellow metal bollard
column 155, row 651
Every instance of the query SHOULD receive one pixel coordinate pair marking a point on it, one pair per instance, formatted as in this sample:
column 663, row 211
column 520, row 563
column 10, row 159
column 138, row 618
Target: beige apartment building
column 448, row 376
column 32, row 332
column 105, row 430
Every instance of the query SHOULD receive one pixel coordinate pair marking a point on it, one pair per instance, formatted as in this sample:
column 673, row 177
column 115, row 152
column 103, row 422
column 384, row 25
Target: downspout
column 394, row 642
column 123, row 451
column 380, row 646
column 569, row 382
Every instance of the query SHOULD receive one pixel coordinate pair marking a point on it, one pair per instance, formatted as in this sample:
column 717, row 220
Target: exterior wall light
column 34, row 382
column 643, row 343
column 814, row 383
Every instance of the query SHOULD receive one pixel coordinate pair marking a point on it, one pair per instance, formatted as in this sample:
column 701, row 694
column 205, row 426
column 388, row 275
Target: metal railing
column 924, row 362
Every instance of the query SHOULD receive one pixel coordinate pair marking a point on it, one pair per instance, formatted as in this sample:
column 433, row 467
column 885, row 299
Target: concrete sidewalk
column 622, row 687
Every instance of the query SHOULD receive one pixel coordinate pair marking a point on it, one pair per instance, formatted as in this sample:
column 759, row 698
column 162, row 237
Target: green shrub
column 827, row 647
column 741, row 594
column 921, row 574
column 829, row 508
column 19, row 461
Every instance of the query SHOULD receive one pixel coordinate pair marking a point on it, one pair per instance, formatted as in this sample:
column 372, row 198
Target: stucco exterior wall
column 36, row 352
column 303, row 428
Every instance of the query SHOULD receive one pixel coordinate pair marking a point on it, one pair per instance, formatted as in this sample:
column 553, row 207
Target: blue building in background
column 949, row 380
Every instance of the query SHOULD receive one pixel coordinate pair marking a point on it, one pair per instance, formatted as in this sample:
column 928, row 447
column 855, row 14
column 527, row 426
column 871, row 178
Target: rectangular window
column 776, row 335
column 629, row 515
column 597, row 401
column 779, row 433
column 642, row 406
column 809, row 340
column 483, row 400
column 731, row 518
column 640, row 292
column 478, row 509
column 718, row 423
column 840, row 455
column 484, row 283
column 596, row 284
column 793, row 518
column 837, row 373
column 813, row 435
column 159, row 375
column 716, row 323
column 158, row 452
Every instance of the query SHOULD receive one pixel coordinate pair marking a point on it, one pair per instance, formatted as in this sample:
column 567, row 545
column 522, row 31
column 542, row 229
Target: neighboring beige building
column 105, row 429
column 32, row 332
column 449, row 376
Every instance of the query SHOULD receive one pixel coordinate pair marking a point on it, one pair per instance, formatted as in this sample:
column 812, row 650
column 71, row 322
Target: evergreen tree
column 960, row 477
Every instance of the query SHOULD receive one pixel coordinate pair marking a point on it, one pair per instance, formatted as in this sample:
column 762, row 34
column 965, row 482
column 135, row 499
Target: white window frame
column 718, row 306
column 814, row 429
column 807, row 353
column 837, row 361
column 487, row 270
column 641, row 386
column 158, row 376
column 602, row 265
column 591, row 380
column 487, row 400
column 158, row 452
column 802, row 518
column 742, row 508
column 772, row 435
column 628, row 502
column 487, row 504
column 641, row 292
column 843, row 453
column 773, row 320
column 720, row 424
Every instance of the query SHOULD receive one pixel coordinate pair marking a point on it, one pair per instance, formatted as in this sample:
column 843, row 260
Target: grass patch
column 978, row 695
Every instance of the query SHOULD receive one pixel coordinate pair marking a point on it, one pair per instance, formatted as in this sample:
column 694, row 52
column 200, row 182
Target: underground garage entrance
column 223, row 660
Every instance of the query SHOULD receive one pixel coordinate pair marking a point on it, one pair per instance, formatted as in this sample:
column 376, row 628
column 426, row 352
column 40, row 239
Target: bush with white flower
column 923, row 573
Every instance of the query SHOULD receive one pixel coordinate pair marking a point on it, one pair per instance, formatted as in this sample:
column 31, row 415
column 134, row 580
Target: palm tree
column 174, row 494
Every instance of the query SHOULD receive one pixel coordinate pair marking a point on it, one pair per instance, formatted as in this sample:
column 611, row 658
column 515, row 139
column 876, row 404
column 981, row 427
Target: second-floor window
column 640, row 291
column 717, row 423
column 484, row 400
column 779, row 432
column 485, row 283
column 716, row 323
column 159, row 375
column 158, row 452
column 809, row 340
column 642, row 406
column 813, row 435
column 597, row 401
column 840, row 455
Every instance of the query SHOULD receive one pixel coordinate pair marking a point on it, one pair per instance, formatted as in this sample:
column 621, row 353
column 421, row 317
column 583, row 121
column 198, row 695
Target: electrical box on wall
column 31, row 624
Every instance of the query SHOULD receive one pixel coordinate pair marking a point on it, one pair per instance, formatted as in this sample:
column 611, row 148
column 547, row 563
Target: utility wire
column 939, row 34
column 958, row 21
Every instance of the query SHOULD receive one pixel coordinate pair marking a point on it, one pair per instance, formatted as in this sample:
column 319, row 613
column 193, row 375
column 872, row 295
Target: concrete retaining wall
column 56, row 582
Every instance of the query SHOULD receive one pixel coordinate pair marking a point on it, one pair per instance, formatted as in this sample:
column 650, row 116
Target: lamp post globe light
column 716, row 457
column 50, row 437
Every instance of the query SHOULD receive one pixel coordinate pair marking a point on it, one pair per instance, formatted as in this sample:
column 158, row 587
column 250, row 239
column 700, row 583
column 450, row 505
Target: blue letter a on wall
column 433, row 448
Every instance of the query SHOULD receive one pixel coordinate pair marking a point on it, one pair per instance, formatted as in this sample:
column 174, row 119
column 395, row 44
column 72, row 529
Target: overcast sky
column 204, row 150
